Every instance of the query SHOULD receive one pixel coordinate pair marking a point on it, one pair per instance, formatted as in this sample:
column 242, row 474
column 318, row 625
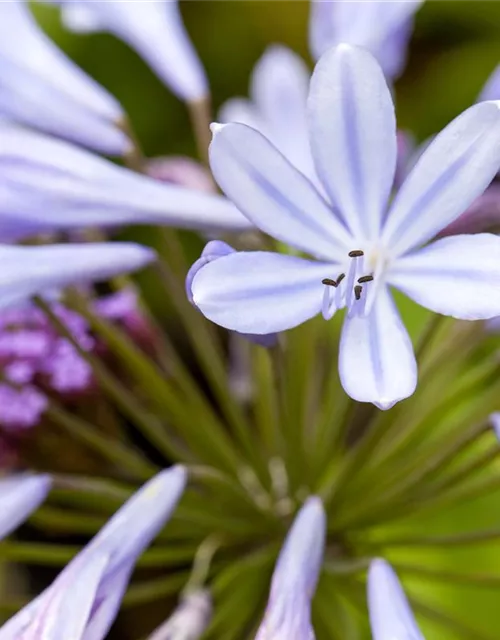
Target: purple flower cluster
column 35, row 359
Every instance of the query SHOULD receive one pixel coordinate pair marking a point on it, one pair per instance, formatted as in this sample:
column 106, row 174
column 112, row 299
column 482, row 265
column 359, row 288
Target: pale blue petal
column 155, row 30
column 451, row 173
column 242, row 111
column 28, row 271
column 41, row 87
column 295, row 577
column 68, row 603
column 495, row 423
column 133, row 527
column 391, row 617
column 47, row 184
column 260, row 292
column 213, row 250
column 376, row 359
column 20, row 495
column 273, row 194
column 458, row 276
column 353, row 137
column 382, row 27
column 491, row 89
column 279, row 89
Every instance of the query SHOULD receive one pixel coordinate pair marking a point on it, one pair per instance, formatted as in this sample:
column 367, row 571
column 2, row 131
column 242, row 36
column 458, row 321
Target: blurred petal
column 181, row 170
column 279, row 89
column 242, row 111
column 117, row 546
column 376, row 359
column 491, row 89
column 20, row 495
column 259, row 292
column 391, row 617
column 47, row 184
column 189, row 621
column 495, row 423
column 67, row 608
column 353, row 136
column 381, row 27
column 41, row 87
column 28, row 271
column 483, row 215
column 451, row 173
column 273, row 194
column 155, row 30
column 295, row 577
column 457, row 276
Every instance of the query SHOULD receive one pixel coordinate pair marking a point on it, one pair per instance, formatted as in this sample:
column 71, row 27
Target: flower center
column 350, row 289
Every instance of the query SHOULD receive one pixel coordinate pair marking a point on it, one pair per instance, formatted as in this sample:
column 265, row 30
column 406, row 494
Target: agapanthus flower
column 85, row 598
column 20, row 495
column 363, row 244
column 155, row 30
column 48, row 184
column 34, row 357
column 288, row 612
column 41, row 87
column 391, row 617
column 383, row 28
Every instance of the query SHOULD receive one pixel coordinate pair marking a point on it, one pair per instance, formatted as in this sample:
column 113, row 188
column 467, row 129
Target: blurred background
column 456, row 45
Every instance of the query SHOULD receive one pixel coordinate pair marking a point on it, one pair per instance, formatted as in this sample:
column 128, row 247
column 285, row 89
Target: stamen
column 357, row 253
column 364, row 279
column 330, row 282
column 340, row 278
column 357, row 291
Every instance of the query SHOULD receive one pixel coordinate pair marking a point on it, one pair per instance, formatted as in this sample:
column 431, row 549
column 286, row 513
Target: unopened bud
column 189, row 620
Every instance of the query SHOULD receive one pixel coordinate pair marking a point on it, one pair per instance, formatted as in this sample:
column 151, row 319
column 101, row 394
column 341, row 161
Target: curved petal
column 41, row 87
column 373, row 25
column 273, row 194
column 20, row 495
column 68, row 603
column 155, row 30
column 213, row 250
column 243, row 111
column 390, row 614
column 458, row 276
column 259, row 292
column 288, row 613
column 491, row 89
column 23, row 42
column 47, row 184
column 376, row 359
column 353, row 136
column 279, row 89
column 27, row 271
column 451, row 173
